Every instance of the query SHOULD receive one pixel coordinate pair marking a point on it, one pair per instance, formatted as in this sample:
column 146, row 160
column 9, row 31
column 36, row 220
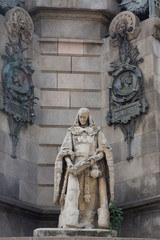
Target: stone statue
column 84, row 178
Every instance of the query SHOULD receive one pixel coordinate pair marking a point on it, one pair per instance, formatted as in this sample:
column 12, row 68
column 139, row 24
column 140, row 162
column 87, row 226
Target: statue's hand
column 69, row 164
column 92, row 160
column 73, row 170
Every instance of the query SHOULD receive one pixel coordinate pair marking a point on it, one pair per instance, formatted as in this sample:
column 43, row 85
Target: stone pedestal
column 59, row 232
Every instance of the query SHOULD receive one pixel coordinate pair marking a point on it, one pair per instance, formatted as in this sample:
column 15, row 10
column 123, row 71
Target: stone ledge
column 59, row 232
column 71, row 238
column 108, row 5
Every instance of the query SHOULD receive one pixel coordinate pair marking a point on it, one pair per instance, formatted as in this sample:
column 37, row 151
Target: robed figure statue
column 84, row 177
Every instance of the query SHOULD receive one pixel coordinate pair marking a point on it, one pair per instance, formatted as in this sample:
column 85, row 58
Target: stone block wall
column 71, row 74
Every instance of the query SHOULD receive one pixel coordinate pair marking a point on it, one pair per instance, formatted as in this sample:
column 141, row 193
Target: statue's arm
column 68, row 161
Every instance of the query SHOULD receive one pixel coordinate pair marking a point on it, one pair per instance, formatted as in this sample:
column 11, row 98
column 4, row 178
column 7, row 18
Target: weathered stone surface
column 85, row 64
column 110, row 5
column 28, row 192
column 48, row 80
column 81, row 29
column 144, row 165
column 115, row 135
column 106, row 59
column 45, row 196
column 45, row 174
column 102, row 4
column 137, row 189
column 63, row 117
column 141, row 145
column 148, row 221
column 92, row 81
column 49, row 48
column 79, row 81
column 157, row 82
column 28, row 150
column 105, row 99
column 55, row 63
column 47, row 155
column 70, row 81
column 90, row 99
column 31, row 133
column 54, row 99
column 18, row 168
column 145, row 46
column 70, row 48
column 4, row 126
column 92, row 49
column 52, row 135
column 9, row 186
column 153, row 100
column 156, row 64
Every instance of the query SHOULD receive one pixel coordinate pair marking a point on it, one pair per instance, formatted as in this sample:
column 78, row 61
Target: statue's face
column 83, row 117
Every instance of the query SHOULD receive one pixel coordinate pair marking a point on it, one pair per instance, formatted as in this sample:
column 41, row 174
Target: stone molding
column 70, row 14
column 111, row 6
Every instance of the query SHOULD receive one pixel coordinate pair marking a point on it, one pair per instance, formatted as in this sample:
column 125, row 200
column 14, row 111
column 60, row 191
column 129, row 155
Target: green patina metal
column 125, row 91
column 142, row 8
column 18, row 99
column 6, row 5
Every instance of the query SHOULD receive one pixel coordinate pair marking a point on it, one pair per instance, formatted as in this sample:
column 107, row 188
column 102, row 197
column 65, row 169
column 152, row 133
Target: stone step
column 71, row 238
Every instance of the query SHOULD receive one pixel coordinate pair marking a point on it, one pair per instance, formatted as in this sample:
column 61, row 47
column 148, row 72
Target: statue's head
column 83, row 117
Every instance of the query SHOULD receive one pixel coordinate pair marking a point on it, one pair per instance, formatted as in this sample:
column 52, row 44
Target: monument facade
column 71, row 58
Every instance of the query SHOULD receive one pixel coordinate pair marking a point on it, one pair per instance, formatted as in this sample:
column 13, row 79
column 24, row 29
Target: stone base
column 60, row 232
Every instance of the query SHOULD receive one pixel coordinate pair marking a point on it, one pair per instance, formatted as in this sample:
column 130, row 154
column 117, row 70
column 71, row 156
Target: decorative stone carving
column 125, row 91
column 84, row 178
column 6, row 5
column 138, row 7
column 122, row 22
column 18, row 99
column 19, row 25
